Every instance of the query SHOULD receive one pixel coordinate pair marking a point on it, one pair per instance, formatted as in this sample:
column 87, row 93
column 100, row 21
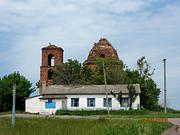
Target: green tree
column 71, row 73
column 144, row 68
column 132, row 95
column 23, row 90
column 132, row 76
column 149, row 90
column 143, row 75
column 87, row 74
column 150, row 94
column 114, row 71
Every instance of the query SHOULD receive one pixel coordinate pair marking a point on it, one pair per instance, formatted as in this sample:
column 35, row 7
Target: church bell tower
column 51, row 56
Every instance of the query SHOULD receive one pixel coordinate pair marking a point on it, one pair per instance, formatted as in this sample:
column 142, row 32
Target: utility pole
column 14, row 105
column 165, row 87
column 105, row 84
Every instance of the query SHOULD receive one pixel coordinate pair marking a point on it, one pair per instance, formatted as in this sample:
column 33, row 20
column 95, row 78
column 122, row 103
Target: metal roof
column 87, row 89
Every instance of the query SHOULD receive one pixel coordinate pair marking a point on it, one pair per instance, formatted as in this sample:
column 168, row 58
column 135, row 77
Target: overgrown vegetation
column 73, row 72
column 23, row 90
column 114, row 71
column 101, row 126
column 149, row 90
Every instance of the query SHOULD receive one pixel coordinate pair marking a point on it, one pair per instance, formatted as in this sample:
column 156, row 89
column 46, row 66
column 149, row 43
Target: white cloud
column 76, row 25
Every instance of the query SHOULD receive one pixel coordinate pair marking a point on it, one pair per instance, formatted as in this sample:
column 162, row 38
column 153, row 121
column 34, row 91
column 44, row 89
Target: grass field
column 121, row 113
column 149, row 114
column 101, row 126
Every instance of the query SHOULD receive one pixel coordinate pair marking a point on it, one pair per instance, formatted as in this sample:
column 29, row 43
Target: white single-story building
column 86, row 97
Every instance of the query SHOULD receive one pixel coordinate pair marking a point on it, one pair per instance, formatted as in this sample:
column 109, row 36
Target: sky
column 135, row 28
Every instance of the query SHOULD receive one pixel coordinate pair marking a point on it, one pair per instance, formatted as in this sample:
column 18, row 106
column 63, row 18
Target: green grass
column 121, row 113
column 10, row 112
column 149, row 114
column 101, row 126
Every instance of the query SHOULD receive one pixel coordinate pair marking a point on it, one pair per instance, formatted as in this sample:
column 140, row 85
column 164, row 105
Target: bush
column 101, row 112
column 129, row 112
column 81, row 112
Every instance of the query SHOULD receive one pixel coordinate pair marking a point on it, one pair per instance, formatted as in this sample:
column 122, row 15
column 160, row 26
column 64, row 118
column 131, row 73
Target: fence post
column 13, row 105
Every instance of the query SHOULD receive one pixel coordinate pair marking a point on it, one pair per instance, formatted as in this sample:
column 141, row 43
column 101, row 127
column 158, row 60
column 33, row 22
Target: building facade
column 88, row 97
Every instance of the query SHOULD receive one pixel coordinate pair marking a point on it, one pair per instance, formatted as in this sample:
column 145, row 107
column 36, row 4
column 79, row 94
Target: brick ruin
column 102, row 49
column 53, row 55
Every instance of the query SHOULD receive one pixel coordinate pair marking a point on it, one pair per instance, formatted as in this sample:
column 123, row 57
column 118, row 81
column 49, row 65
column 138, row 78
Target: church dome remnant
column 102, row 49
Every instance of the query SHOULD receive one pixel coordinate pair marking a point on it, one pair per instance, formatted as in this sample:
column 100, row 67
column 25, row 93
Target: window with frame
column 124, row 102
column 107, row 104
column 90, row 102
column 50, row 104
column 74, row 102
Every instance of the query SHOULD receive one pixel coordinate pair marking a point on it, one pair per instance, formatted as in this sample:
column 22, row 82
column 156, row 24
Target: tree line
column 73, row 72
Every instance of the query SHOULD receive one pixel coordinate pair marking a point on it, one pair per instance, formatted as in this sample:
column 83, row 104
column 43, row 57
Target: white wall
column 98, row 102
column 33, row 105
column 136, row 104
column 83, row 102
column 36, row 105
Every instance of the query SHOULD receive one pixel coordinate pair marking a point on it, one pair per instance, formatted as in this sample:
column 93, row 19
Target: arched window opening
column 50, row 74
column 102, row 56
column 51, row 60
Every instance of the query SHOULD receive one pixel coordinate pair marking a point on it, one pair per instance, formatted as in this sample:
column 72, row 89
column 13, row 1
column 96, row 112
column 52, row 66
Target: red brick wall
column 57, row 52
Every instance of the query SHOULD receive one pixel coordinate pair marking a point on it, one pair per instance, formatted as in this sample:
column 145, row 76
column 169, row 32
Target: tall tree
column 68, row 73
column 71, row 73
column 144, row 68
column 87, row 74
column 149, row 89
column 143, row 75
column 114, row 71
column 23, row 90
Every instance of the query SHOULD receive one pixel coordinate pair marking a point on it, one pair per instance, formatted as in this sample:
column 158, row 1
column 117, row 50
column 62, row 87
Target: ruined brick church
column 91, row 97
column 53, row 55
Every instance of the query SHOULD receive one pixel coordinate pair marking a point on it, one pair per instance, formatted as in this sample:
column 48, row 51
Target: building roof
column 53, row 97
column 33, row 97
column 87, row 89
